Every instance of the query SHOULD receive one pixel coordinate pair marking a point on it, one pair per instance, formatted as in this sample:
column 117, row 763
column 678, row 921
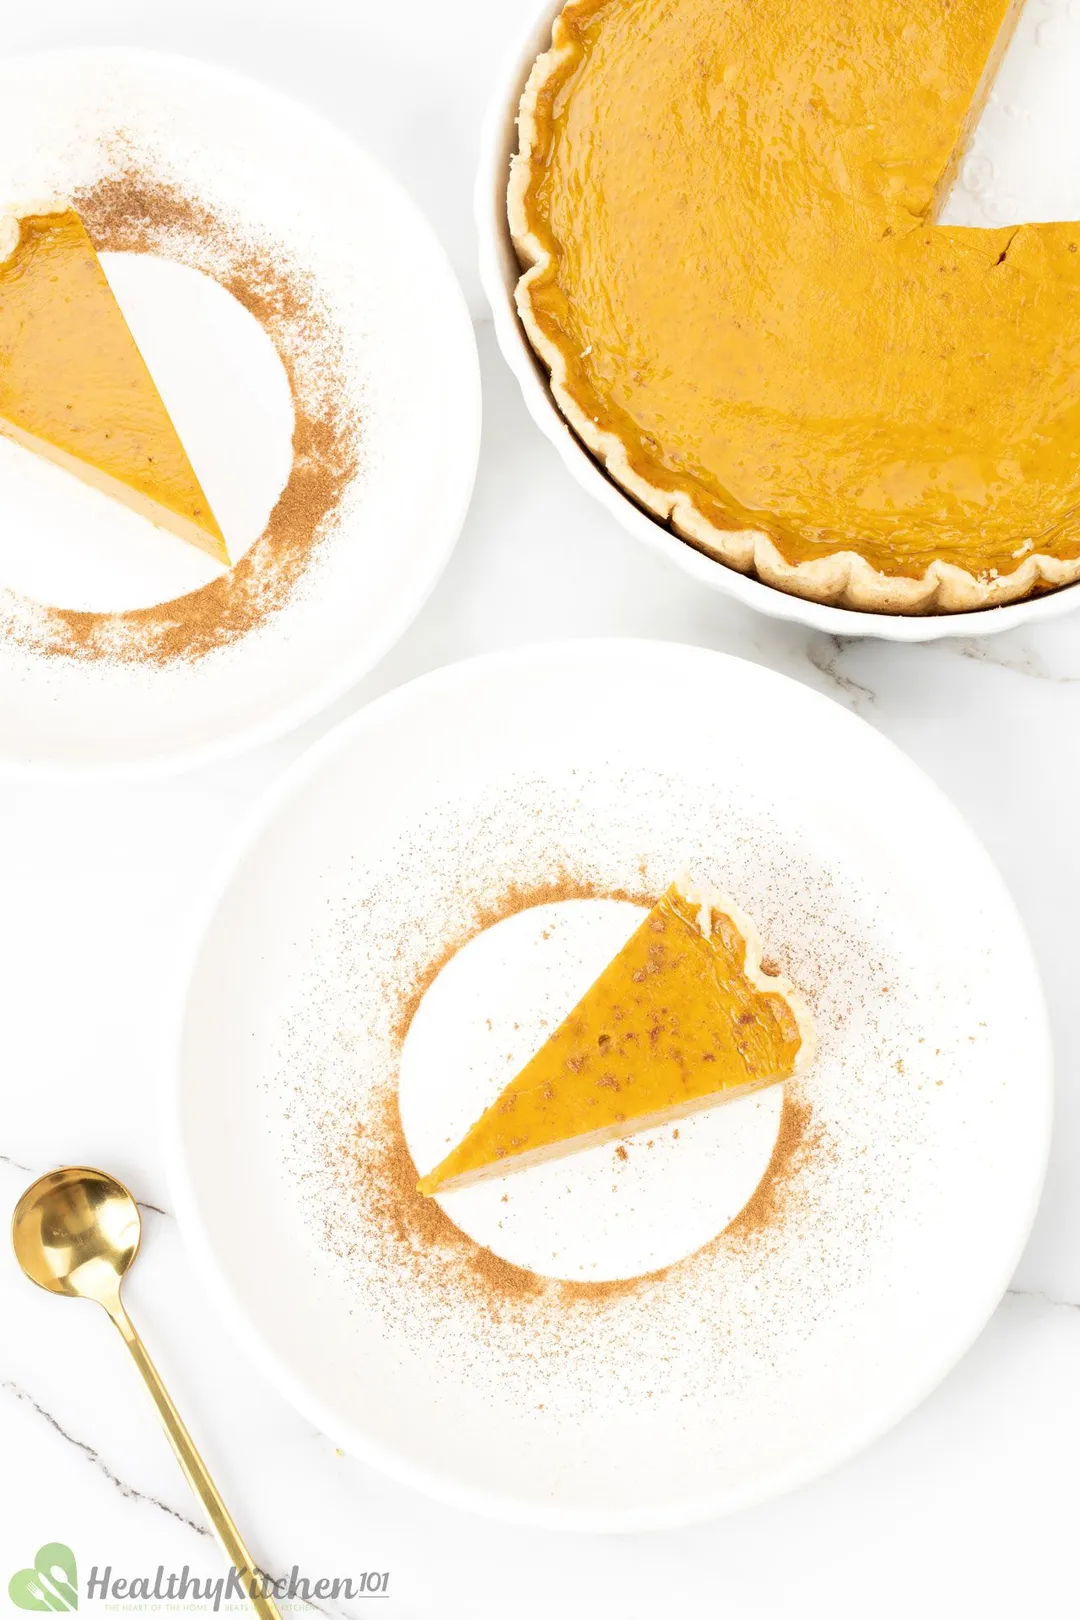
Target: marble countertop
column 968, row 1506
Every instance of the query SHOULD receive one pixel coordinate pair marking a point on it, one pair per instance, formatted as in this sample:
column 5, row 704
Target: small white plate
column 241, row 234
column 894, row 1200
column 1037, row 156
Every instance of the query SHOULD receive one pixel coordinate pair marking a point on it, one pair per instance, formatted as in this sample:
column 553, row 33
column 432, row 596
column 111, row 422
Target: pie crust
column 682, row 1019
column 844, row 578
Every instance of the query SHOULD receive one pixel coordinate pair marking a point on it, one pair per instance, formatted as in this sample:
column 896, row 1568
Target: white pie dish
column 500, row 271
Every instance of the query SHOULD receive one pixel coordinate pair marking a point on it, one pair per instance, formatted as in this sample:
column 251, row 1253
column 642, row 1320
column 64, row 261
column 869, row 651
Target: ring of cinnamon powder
column 134, row 211
column 380, row 1166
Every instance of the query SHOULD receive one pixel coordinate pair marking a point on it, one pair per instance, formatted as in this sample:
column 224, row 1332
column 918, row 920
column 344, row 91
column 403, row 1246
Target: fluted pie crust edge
column 843, row 579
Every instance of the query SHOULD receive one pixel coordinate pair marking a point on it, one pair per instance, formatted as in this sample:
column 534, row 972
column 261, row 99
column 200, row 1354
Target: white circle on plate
column 603, row 1212
column 228, row 394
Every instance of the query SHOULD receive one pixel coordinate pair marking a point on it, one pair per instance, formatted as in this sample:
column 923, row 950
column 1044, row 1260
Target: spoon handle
column 196, row 1470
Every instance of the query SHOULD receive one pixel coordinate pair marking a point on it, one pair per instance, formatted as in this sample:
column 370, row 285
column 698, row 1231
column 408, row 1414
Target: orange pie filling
column 74, row 387
column 735, row 277
column 683, row 1018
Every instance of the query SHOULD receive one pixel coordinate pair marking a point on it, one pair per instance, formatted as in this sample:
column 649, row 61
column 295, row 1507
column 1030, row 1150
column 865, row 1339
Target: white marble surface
column 968, row 1507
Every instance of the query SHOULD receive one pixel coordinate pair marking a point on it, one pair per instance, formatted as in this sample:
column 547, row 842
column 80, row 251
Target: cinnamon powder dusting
column 795, row 1142
column 379, row 1169
column 134, row 211
column 718, row 1324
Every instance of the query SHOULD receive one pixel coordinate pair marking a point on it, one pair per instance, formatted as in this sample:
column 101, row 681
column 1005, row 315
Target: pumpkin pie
column 725, row 212
column 683, row 1018
column 73, row 385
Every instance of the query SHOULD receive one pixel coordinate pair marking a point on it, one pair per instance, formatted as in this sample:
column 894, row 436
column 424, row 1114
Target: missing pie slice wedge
column 74, row 387
column 681, row 1019
column 734, row 270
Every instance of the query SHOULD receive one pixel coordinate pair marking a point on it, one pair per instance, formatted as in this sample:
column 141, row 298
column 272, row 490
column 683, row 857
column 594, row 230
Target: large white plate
column 390, row 342
column 751, row 1360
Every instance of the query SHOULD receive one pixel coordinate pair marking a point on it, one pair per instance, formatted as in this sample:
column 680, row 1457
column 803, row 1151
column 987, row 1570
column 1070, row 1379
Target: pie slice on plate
column 681, row 1019
column 73, row 385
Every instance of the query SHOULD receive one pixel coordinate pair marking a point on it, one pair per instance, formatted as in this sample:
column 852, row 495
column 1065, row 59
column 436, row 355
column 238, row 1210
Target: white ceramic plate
column 312, row 253
column 1029, row 148
column 894, row 1200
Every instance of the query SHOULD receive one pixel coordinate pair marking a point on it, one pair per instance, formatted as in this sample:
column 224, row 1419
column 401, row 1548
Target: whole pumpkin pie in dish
column 73, row 384
column 683, row 1018
column 725, row 214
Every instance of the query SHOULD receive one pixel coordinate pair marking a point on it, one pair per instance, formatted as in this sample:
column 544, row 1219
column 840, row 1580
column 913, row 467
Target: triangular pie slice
column 73, row 385
column 681, row 1019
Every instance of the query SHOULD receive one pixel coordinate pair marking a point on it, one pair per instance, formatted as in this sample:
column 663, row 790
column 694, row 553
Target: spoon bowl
column 76, row 1232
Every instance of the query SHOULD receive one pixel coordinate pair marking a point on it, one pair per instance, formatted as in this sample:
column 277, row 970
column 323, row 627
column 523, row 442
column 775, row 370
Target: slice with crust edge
column 74, row 387
column 682, row 1018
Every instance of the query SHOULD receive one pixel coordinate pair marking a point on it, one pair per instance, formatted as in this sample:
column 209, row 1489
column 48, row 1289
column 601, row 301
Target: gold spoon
column 76, row 1231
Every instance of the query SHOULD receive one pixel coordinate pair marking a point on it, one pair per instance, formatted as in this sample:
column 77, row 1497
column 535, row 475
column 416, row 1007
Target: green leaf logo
column 52, row 1586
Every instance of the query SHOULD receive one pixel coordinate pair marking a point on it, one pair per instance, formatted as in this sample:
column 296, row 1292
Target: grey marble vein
column 131, row 1492
column 27, row 1170
column 825, row 655
column 1047, row 1299
column 1023, row 661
